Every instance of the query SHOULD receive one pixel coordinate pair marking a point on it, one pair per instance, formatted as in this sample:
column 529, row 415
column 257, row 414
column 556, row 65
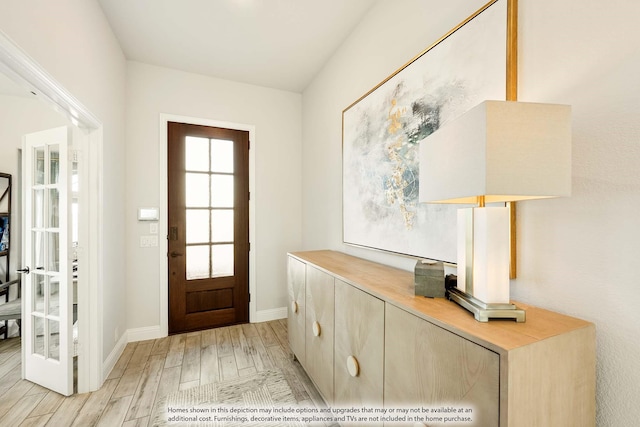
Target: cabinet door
column 427, row 366
column 359, row 342
column 319, row 336
column 296, row 318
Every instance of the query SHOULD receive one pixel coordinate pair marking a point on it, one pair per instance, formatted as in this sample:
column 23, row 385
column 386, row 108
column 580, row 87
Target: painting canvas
column 382, row 132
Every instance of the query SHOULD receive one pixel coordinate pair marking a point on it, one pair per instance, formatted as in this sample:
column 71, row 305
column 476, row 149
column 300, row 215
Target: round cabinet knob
column 353, row 366
column 316, row 329
column 294, row 306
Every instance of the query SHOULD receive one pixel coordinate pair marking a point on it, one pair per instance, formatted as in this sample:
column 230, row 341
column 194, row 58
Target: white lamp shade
column 503, row 150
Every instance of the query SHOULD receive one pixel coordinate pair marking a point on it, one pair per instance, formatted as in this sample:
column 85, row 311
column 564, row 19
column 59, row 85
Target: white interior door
column 47, row 314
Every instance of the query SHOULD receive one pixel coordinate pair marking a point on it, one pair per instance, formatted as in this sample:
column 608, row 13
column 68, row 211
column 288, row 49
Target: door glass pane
column 221, row 155
column 222, row 260
column 53, row 249
column 54, row 296
column 197, row 226
column 222, row 225
column 54, row 164
column 75, row 222
column 54, row 208
column 38, row 284
column 54, row 339
column 196, row 154
column 197, row 190
column 197, row 262
column 221, row 191
column 38, row 208
column 39, row 166
column 38, row 250
column 38, row 335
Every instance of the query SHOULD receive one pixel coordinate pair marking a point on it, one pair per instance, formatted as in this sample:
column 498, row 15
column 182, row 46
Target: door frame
column 22, row 69
column 163, row 224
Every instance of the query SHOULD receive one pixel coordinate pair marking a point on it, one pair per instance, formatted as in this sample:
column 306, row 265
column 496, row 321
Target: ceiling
column 280, row 44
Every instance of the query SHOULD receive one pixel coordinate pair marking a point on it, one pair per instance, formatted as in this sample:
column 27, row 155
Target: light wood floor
column 148, row 370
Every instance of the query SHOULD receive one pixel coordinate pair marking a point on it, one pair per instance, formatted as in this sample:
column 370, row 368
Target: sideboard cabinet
column 392, row 349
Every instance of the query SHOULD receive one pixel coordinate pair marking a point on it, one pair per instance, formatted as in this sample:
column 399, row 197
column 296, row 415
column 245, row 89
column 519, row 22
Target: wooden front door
column 208, row 175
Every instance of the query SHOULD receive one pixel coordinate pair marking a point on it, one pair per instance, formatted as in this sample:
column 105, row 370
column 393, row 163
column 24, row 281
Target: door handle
column 175, row 254
column 25, row 270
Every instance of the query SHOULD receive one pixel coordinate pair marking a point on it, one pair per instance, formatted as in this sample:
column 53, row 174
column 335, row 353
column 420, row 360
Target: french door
column 208, row 197
column 47, row 313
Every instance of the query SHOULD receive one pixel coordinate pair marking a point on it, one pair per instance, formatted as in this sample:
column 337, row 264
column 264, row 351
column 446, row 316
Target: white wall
column 575, row 255
column 276, row 116
column 71, row 39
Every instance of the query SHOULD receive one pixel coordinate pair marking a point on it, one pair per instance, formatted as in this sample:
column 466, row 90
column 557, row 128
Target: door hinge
column 75, row 155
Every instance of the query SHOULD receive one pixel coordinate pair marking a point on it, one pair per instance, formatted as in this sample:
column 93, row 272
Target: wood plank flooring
column 149, row 370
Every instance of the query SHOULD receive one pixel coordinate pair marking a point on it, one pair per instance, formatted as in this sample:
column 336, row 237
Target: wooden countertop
column 396, row 287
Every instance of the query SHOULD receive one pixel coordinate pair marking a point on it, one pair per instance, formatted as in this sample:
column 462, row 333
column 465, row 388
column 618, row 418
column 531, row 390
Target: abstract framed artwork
column 473, row 62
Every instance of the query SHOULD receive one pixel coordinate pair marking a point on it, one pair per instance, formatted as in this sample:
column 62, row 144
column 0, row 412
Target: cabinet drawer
column 427, row 366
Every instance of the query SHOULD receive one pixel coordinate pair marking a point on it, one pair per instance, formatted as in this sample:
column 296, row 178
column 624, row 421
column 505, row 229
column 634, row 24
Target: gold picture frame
column 485, row 47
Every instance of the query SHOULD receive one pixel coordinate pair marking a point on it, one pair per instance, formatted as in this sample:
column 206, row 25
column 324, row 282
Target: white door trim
column 163, row 225
column 21, row 68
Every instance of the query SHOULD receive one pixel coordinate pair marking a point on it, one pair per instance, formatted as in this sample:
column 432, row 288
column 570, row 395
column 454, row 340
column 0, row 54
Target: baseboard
column 113, row 357
column 268, row 315
column 131, row 335
column 143, row 334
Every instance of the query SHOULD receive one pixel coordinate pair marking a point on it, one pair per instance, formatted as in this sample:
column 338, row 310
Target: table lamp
column 499, row 151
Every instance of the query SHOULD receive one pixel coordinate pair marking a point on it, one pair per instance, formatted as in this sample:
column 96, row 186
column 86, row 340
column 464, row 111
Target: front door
column 47, row 312
column 208, row 250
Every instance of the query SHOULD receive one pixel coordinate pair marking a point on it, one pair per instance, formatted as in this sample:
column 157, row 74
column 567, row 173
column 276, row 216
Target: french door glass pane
column 197, row 190
column 38, row 288
column 54, row 164
column 222, row 225
column 197, row 226
column 39, row 166
column 221, row 191
column 54, row 208
column 221, row 156
column 197, row 262
column 222, row 260
column 38, row 208
column 38, row 250
column 196, row 154
column 38, row 335
column 54, row 339
column 53, row 250
column 54, row 296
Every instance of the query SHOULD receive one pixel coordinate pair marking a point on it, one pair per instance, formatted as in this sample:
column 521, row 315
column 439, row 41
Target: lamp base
column 482, row 311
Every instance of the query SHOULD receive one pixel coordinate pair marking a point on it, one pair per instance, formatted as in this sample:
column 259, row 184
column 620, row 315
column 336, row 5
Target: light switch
column 153, row 228
column 148, row 241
